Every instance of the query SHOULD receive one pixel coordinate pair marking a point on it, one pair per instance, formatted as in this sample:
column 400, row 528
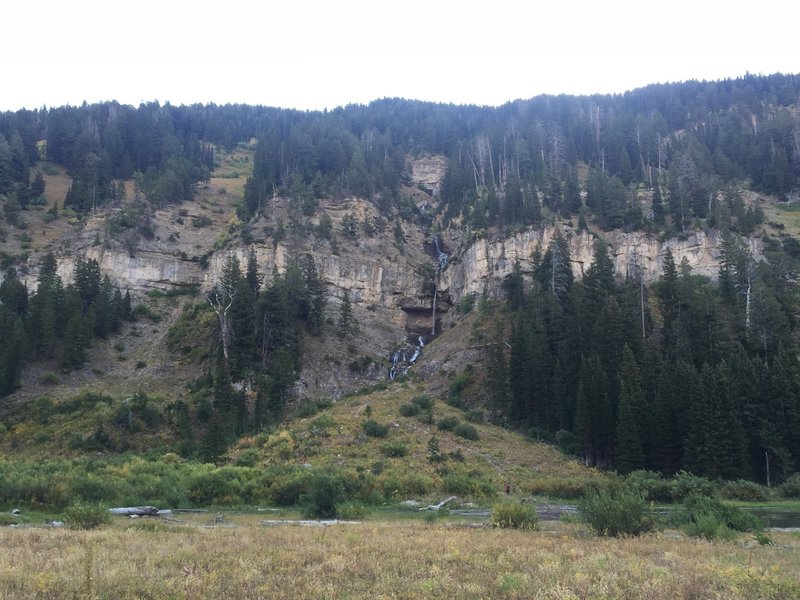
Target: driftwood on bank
column 306, row 522
column 440, row 505
column 137, row 511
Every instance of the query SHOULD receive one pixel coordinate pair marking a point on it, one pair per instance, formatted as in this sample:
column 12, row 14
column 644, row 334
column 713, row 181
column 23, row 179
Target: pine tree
column 666, row 447
column 316, row 296
column 629, row 454
column 214, row 442
column 658, row 205
column 73, row 353
column 557, row 268
column 668, row 289
column 496, row 382
column 519, row 371
column 345, row 325
column 593, row 417
column 253, row 280
column 514, row 287
column 599, row 279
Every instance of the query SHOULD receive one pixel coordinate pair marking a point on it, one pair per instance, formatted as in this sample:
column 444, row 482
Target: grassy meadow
column 387, row 559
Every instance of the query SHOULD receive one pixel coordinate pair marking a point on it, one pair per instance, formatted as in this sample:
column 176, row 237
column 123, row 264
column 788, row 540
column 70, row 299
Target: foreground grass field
column 387, row 560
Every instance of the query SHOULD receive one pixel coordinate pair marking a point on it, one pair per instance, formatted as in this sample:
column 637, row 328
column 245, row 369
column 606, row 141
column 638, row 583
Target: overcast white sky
column 315, row 54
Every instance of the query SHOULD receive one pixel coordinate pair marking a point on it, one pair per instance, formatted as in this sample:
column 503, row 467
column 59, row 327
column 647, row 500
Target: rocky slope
column 390, row 280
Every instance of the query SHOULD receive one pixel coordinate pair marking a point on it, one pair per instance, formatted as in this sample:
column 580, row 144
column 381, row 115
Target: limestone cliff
column 378, row 275
column 484, row 262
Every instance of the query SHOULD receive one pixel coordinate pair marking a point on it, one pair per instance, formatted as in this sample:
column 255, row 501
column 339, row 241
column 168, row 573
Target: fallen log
column 131, row 511
column 306, row 522
column 440, row 505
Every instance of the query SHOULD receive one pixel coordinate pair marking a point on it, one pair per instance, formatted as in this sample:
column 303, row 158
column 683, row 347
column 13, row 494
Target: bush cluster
column 615, row 511
column 559, row 487
column 508, row 515
column 86, row 516
column 466, row 431
column 791, row 487
column 409, row 409
column 709, row 518
column 374, row 429
column 394, row 449
column 681, row 485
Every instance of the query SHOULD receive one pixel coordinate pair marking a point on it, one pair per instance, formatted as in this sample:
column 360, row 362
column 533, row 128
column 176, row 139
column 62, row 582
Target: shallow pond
column 775, row 517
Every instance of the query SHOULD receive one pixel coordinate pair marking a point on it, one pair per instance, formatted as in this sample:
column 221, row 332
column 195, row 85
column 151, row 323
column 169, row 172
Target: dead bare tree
column 221, row 300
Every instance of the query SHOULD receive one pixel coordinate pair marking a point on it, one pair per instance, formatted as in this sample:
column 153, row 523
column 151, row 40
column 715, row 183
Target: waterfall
column 441, row 259
column 403, row 358
column 433, row 313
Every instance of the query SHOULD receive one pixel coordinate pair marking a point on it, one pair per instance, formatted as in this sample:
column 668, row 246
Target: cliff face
column 484, row 262
column 379, row 276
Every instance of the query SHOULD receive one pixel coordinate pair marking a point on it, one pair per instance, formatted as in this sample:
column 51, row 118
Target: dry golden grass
column 788, row 216
column 56, row 187
column 387, row 560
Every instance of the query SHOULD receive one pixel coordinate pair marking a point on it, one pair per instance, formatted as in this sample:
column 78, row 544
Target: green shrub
column 508, row 515
column 287, row 490
column 49, row 378
column 374, row 429
column 763, row 539
column 709, row 518
column 323, row 422
column 468, row 484
column 90, row 488
column 432, row 516
column 247, row 458
column 459, row 484
column 325, row 491
column 142, row 310
column 745, row 491
column 650, row 485
column 352, row 510
column 685, row 484
column 447, row 423
column 465, row 305
column 791, row 487
column 567, row 442
column 210, row 488
column 424, row 401
column 200, row 221
column 709, row 527
column 308, row 408
column 396, row 484
column 409, row 410
column 457, row 387
column 86, row 516
column 394, row 449
column 7, row 519
column 467, row 431
column 557, row 487
column 615, row 511
column 475, row 416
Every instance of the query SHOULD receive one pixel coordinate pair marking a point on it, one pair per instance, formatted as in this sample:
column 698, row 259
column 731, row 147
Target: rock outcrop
column 484, row 262
column 377, row 275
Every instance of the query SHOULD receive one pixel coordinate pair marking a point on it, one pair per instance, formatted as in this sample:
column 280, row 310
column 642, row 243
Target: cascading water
column 403, row 358
column 441, row 258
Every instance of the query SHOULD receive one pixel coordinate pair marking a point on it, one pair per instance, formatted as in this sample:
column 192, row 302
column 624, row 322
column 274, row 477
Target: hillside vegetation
column 685, row 373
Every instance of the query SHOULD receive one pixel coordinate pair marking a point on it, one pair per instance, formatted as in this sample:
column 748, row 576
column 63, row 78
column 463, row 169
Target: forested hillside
column 686, row 373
